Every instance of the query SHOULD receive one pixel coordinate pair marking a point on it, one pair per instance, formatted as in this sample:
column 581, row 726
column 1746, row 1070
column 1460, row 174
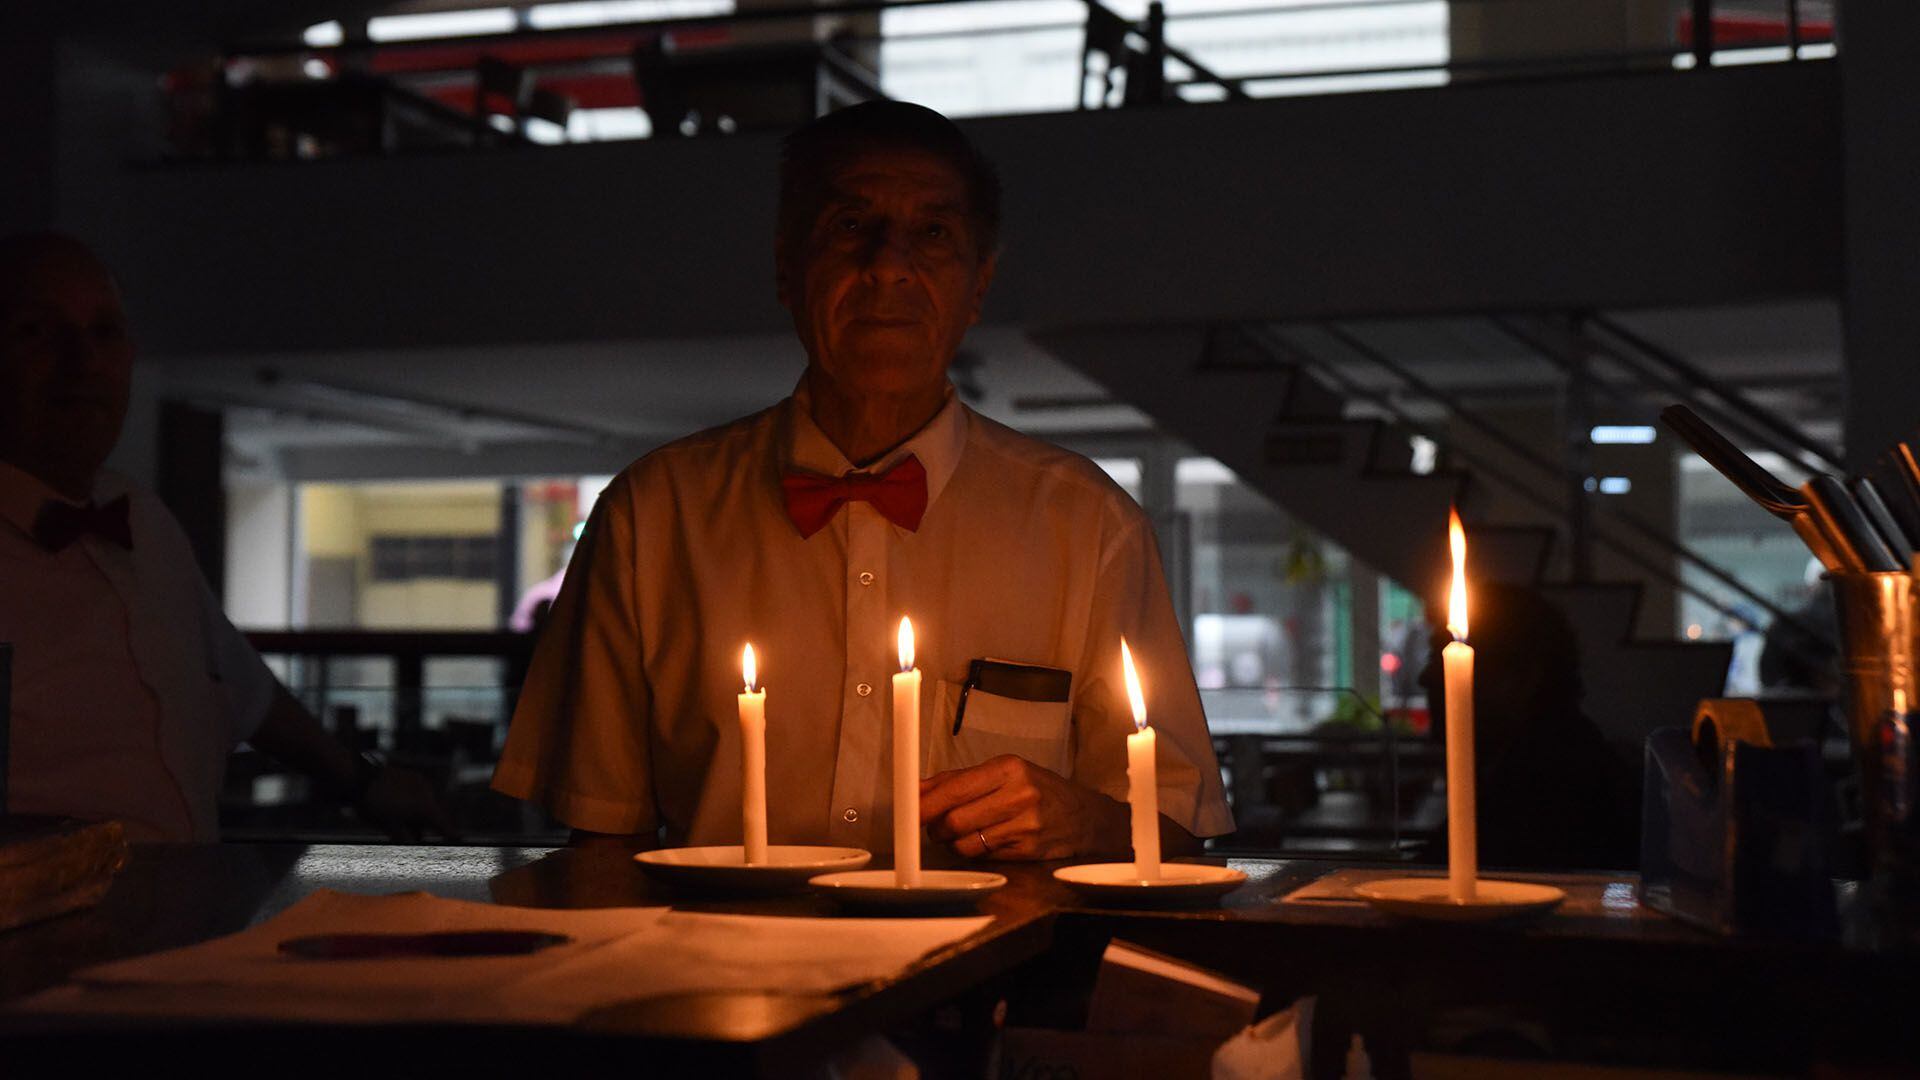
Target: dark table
column 1605, row 982
column 170, row 896
column 1610, row 986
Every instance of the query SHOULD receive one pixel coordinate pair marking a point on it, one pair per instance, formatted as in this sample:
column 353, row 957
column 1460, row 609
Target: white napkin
column 617, row 954
column 1276, row 1048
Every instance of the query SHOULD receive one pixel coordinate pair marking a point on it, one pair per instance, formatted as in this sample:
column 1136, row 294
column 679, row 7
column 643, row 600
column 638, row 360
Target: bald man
column 130, row 687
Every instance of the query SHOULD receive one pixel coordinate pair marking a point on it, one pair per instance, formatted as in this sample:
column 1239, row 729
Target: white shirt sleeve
column 245, row 680
column 579, row 743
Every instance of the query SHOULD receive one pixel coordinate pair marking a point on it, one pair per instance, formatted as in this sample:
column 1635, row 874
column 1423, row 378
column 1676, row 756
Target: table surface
column 170, row 896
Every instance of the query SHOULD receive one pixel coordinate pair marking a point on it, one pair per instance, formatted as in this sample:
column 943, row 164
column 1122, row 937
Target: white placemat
column 617, row 954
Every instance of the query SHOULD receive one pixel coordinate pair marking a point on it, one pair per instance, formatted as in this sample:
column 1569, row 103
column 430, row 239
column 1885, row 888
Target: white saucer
column 788, row 866
column 1431, row 898
column 1178, row 883
column 881, row 888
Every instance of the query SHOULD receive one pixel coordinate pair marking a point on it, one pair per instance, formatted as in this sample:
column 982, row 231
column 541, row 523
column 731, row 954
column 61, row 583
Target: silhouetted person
column 130, row 686
column 1743, row 667
column 1551, row 793
column 1791, row 658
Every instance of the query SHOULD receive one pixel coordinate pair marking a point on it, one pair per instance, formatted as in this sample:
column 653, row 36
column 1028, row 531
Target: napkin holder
column 1734, row 830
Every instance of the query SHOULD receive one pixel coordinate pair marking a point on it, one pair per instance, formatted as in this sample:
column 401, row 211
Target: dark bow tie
column 900, row 494
column 60, row 524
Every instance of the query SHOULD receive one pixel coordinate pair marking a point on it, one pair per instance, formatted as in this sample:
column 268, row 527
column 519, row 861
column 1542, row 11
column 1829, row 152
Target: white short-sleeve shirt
column 1027, row 552
column 130, row 687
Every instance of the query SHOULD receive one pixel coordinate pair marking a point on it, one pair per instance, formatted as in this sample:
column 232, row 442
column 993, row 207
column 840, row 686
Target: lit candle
column 753, row 764
column 1143, row 790
column 906, row 764
column 1463, row 855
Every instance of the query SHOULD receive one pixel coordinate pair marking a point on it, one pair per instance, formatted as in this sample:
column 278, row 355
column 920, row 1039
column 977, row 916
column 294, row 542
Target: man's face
column 65, row 365
column 888, row 274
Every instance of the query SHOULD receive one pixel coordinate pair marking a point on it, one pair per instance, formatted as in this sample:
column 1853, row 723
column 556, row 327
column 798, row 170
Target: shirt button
column 851, row 814
column 866, row 577
column 863, row 690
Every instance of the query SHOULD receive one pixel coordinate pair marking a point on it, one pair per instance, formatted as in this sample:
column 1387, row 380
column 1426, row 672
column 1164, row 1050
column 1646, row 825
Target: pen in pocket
column 1019, row 682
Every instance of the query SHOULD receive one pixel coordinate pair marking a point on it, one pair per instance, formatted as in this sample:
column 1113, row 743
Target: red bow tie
column 900, row 494
column 60, row 524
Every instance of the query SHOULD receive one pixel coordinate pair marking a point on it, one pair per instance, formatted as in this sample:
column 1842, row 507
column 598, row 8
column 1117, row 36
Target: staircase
column 1285, row 432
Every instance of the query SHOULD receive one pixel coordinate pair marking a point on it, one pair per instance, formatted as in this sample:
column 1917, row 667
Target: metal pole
column 1576, row 423
column 409, row 678
column 6, row 719
column 1156, row 69
column 506, row 555
column 1702, row 33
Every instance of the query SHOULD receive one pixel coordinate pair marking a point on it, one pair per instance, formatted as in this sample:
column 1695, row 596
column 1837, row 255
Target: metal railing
column 1620, row 531
column 1729, row 408
column 1161, row 59
column 1351, row 782
column 404, row 694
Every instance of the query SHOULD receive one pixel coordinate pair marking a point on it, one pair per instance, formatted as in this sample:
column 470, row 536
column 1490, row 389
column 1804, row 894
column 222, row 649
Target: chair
column 496, row 81
column 1144, row 70
column 774, row 85
column 549, row 105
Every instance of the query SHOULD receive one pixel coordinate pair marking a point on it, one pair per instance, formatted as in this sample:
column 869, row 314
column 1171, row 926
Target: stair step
column 1635, row 688
column 1278, row 427
column 1600, row 612
column 1305, row 397
column 1633, row 685
column 1310, row 399
column 1245, row 400
column 1392, row 448
column 1508, row 554
column 1346, row 445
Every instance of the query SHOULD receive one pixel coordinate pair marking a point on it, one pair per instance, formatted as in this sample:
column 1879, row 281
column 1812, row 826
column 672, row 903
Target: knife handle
column 1860, row 549
column 1867, row 493
column 1817, row 542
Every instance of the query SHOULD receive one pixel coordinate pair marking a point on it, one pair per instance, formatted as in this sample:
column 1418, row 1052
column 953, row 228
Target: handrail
column 1158, row 48
column 346, row 642
column 1792, row 38
column 1545, row 64
column 1751, row 416
column 409, row 651
column 1504, row 324
column 1527, row 456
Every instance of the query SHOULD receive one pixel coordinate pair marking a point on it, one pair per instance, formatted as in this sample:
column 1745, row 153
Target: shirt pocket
column 1039, row 731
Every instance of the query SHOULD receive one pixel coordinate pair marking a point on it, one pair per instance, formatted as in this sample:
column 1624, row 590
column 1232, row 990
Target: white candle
column 906, row 764
column 1463, row 852
column 753, row 764
column 1143, row 788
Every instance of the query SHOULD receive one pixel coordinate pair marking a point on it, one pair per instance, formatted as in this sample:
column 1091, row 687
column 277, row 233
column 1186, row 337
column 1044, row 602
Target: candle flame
column 1457, row 597
column 749, row 668
column 1134, row 696
column 906, row 644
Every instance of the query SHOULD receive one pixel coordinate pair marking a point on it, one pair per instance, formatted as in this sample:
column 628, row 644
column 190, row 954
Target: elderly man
column 810, row 529
column 130, row 687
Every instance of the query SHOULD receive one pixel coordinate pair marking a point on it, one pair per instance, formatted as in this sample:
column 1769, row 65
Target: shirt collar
column 22, row 494
column 937, row 444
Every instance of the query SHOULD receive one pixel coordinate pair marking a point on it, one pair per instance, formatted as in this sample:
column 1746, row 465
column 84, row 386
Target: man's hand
column 398, row 800
column 1010, row 808
column 404, row 803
